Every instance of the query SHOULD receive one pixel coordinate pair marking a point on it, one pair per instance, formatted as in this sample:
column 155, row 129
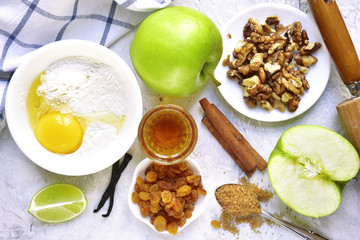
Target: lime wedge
column 57, row 203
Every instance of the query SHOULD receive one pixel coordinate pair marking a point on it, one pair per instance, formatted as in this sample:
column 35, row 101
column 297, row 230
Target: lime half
column 58, row 203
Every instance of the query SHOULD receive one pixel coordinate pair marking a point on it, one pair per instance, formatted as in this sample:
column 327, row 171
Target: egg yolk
column 59, row 133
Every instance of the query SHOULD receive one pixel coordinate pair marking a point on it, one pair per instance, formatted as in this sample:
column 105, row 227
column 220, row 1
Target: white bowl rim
column 199, row 206
column 17, row 90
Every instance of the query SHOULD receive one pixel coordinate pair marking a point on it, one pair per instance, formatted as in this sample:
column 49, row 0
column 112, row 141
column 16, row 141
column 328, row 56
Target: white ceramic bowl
column 317, row 76
column 18, row 121
column 199, row 206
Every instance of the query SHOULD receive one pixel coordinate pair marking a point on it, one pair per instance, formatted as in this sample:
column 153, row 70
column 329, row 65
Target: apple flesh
column 175, row 49
column 309, row 167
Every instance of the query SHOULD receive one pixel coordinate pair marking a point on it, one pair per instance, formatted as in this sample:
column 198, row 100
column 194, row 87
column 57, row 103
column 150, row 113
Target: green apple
column 309, row 167
column 175, row 49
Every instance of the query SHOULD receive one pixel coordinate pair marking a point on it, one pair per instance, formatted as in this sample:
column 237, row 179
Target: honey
column 167, row 134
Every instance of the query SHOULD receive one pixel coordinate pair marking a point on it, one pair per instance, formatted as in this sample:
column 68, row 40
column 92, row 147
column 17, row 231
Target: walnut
column 279, row 44
column 290, row 86
column 310, row 48
column 293, row 103
column 244, row 69
column 250, row 101
column 279, row 105
column 244, row 51
column 272, row 20
column 232, row 74
column 262, row 75
column 235, row 64
column 256, row 61
column 226, row 61
column 286, row 96
column 256, row 25
column 305, row 60
column 266, row 105
column 251, row 81
column 239, row 46
column 272, row 68
column 267, row 29
column 259, row 88
column 257, row 38
column 295, row 32
column 304, row 37
column 303, row 69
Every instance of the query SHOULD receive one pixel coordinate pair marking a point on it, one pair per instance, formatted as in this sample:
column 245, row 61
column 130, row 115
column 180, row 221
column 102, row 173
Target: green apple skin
column 175, row 49
column 310, row 166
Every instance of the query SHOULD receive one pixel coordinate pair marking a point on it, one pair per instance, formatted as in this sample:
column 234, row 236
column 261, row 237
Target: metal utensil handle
column 305, row 233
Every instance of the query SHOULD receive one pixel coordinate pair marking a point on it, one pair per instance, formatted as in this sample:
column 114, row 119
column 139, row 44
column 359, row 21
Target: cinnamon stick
column 261, row 164
column 226, row 147
column 223, row 128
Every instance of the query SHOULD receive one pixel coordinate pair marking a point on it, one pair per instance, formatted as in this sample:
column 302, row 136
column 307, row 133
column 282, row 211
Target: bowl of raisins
column 167, row 198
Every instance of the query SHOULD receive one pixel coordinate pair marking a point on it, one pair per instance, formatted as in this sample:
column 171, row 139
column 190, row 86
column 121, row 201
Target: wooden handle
column 337, row 39
column 349, row 112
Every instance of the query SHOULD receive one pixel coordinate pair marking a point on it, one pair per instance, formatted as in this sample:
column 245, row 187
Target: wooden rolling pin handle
column 349, row 112
column 337, row 39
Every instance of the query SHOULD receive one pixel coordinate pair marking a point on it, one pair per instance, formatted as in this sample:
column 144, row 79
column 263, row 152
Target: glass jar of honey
column 167, row 134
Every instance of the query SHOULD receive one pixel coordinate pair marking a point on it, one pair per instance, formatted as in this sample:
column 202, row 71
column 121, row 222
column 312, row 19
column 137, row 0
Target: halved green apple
column 309, row 167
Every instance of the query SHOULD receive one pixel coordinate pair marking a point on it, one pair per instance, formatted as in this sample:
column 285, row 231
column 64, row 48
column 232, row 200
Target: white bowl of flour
column 89, row 80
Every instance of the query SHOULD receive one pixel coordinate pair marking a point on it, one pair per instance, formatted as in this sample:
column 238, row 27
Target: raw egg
column 59, row 133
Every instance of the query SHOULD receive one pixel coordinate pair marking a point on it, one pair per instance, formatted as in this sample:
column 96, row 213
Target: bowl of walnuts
column 167, row 198
column 275, row 66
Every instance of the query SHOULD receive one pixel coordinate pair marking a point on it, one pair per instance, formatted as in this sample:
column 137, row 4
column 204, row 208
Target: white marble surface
column 20, row 178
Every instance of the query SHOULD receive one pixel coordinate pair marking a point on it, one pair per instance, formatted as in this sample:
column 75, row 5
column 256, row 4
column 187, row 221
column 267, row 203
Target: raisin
column 172, row 228
column 179, row 214
column 154, row 188
column 181, row 221
column 145, row 187
column 160, row 223
column 181, row 181
column 155, row 197
column 183, row 166
column 202, row 191
column 215, row 224
column 164, row 185
column 166, row 196
column 194, row 194
column 155, row 208
column 183, row 191
column 190, row 179
column 177, row 205
column 197, row 180
column 139, row 181
column 144, row 208
column 135, row 197
column 171, row 203
column 144, row 196
column 151, row 176
column 188, row 214
column 137, row 188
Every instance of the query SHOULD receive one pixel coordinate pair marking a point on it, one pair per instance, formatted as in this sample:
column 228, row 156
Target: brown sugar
column 238, row 200
column 230, row 223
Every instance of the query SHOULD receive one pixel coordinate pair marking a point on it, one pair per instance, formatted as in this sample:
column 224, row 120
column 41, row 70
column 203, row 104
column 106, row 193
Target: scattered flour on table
column 83, row 86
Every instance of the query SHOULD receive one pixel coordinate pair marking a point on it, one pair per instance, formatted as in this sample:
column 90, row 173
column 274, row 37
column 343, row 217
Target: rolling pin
column 338, row 42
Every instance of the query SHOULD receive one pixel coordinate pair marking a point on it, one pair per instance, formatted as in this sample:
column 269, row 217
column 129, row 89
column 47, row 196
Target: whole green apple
column 309, row 167
column 175, row 50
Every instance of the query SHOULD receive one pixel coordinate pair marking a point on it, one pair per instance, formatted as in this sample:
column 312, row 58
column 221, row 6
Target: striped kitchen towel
column 26, row 25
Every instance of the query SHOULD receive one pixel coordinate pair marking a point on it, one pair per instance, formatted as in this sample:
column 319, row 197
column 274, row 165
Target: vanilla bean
column 110, row 190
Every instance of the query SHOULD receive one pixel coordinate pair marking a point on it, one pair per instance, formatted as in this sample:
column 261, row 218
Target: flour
column 81, row 85
column 85, row 85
